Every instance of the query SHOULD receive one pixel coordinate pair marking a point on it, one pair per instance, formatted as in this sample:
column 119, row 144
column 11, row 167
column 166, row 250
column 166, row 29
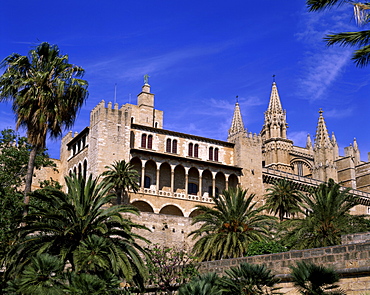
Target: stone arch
column 220, row 182
column 233, row 181
column 301, row 167
column 171, row 210
column 151, row 172
column 195, row 212
column 179, row 183
column 207, row 181
column 193, row 181
column 165, row 177
column 143, row 206
column 84, row 169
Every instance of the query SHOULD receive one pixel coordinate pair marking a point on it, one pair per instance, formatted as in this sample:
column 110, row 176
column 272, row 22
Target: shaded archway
column 179, row 185
column 195, row 212
column 143, row 206
column 150, row 174
column 220, row 182
column 206, row 182
column 233, row 181
column 165, row 177
column 193, row 181
column 171, row 210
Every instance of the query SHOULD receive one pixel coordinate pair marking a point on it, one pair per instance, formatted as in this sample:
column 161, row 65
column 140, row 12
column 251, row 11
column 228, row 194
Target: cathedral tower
column 325, row 153
column 276, row 146
column 247, row 153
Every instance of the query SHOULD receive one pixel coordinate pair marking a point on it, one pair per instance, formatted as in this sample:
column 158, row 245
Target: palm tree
column 325, row 216
column 311, row 279
column 229, row 226
column 249, row 279
column 206, row 284
column 123, row 177
column 283, row 198
column 46, row 92
column 361, row 38
column 77, row 227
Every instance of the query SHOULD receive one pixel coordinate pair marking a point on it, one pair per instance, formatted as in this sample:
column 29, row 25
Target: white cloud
column 299, row 138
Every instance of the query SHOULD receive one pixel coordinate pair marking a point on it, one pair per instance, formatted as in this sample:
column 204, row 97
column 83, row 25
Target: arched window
column 216, row 154
column 168, row 145
column 150, row 141
column 147, row 181
column 156, row 125
column 79, row 170
column 192, row 188
column 211, row 153
column 196, row 148
column 143, row 141
column 190, row 150
column 85, row 169
column 132, row 120
column 174, row 146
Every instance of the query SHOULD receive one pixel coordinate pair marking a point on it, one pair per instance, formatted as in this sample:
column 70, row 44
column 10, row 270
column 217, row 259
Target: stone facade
column 179, row 171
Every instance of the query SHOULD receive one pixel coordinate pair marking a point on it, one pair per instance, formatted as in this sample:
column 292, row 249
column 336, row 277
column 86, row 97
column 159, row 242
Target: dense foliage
column 324, row 218
column 82, row 230
column 226, row 229
column 283, row 199
column 311, row 279
column 46, row 91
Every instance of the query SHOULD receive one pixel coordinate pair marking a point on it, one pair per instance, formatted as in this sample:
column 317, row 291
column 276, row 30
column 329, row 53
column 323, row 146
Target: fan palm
column 123, row 177
column 46, row 92
column 77, row 228
column 360, row 38
column 203, row 285
column 229, row 226
column 248, row 279
column 42, row 276
column 282, row 198
column 311, row 279
column 325, row 216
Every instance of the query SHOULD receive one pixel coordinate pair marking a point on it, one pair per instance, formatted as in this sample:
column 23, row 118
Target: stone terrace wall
column 352, row 261
column 356, row 238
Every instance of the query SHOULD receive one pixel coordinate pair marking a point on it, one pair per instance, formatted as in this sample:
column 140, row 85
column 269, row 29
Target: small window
column 196, row 148
column 156, row 125
column 150, row 141
column 132, row 120
column 147, row 181
column 216, row 154
column 190, row 151
column 192, row 188
column 174, row 146
column 211, row 153
column 168, row 145
column 143, row 141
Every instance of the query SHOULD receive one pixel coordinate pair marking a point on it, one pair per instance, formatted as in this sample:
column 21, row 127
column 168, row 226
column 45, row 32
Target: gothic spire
column 275, row 103
column 275, row 117
column 322, row 137
column 237, row 124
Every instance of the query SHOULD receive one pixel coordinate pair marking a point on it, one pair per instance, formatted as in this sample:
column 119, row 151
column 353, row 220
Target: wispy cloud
column 322, row 65
column 339, row 114
column 299, row 137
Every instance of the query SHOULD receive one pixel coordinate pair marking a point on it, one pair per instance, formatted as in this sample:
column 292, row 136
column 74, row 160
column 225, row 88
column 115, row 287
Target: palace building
column 179, row 171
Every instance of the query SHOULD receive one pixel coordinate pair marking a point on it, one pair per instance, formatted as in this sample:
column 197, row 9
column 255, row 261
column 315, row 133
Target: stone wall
column 352, row 261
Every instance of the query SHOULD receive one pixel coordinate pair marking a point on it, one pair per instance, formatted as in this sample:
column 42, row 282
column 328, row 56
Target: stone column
column 157, row 181
column 200, row 192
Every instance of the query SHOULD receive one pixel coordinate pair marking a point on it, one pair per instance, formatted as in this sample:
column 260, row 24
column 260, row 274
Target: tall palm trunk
column 29, row 175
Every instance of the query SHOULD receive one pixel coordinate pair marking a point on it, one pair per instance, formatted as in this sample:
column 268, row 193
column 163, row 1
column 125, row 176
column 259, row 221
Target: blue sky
column 200, row 55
